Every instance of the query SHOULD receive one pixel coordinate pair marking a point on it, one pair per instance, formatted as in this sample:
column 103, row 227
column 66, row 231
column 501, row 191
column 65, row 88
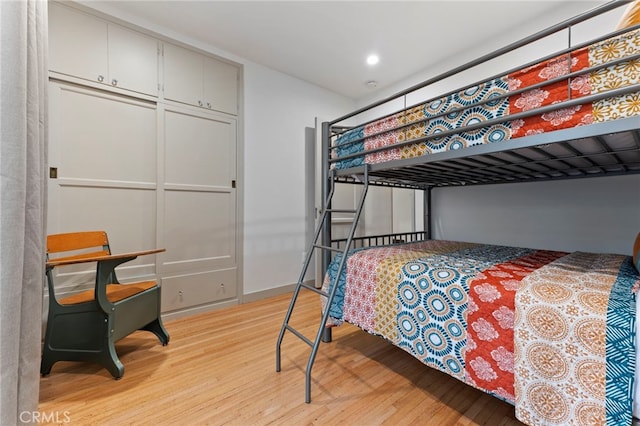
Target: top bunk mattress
column 540, row 98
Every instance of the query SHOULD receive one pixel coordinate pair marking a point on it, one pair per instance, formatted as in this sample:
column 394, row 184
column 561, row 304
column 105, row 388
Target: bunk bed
column 551, row 332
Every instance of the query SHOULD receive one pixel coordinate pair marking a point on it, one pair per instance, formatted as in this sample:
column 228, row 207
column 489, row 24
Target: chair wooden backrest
column 86, row 325
column 76, row 241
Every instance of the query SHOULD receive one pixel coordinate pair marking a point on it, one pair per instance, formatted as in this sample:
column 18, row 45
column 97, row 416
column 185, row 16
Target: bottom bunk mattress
column 552, row 333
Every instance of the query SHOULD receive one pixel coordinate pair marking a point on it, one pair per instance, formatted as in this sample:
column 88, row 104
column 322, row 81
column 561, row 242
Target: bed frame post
column 325, row 186
column 427, row 212
column 326, row 227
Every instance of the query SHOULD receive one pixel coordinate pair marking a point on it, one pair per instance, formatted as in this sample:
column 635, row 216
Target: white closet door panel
column 77, row 43
column 199, row 150
column 403, row 210
column 378, row 217
column 221, row 85
column 103, row 147
column 182, row 74
column 199, row 229
column 104, row 137
column 188, row 290
column 133, row 61
column 128, row 216
column 345, row 197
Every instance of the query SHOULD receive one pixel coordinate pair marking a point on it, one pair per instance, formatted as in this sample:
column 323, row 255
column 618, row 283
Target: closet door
column 199, row 208
column 103, row 166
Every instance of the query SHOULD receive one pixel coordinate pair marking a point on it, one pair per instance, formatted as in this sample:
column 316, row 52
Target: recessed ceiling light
column 372, row 59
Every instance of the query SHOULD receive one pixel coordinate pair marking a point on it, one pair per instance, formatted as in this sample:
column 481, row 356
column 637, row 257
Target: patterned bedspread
column 500, row 98
column 550, row 332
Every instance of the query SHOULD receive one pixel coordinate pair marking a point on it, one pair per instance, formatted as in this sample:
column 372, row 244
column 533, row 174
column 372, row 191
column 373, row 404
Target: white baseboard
column 246, row 298
column 259, row 295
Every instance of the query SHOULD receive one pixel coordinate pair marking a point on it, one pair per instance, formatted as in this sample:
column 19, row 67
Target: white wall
column 277, row 110
column 565, row 10
column 592, row 214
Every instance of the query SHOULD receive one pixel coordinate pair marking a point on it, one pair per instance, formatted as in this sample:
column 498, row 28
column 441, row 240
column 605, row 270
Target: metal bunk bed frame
column 602, row 149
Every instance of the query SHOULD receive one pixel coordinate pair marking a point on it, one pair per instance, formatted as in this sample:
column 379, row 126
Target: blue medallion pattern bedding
column 550, row 332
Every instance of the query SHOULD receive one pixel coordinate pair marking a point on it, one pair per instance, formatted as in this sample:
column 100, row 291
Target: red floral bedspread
column 490, row 319
column 550, row 332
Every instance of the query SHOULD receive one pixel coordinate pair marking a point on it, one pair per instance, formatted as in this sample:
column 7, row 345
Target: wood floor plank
column 219, row 369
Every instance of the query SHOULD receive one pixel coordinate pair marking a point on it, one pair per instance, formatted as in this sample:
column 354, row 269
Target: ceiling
column 326, row 42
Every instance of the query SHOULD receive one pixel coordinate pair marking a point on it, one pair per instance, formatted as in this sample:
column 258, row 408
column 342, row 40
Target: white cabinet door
column 89, row 48
column 133, row 60
column 77, row 43
column 182, row 75
column 220, row 86
column 196, row 79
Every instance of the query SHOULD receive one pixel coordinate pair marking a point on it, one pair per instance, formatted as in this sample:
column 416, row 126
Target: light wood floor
column 219, row 369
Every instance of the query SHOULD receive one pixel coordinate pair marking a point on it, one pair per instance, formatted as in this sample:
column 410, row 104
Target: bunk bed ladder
column 330, row 295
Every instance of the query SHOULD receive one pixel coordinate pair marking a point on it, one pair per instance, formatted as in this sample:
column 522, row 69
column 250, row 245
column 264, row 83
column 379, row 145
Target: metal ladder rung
column 300, row 335
column 329, row 248
column 315, row 290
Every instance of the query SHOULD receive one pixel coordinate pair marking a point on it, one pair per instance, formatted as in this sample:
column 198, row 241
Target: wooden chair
column 85, row 326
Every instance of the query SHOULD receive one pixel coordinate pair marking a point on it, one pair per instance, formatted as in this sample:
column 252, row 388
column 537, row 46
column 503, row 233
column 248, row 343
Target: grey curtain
column 23, row 160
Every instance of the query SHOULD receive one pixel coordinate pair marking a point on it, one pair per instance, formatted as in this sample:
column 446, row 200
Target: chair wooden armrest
column 107, row 289
column 70, row 260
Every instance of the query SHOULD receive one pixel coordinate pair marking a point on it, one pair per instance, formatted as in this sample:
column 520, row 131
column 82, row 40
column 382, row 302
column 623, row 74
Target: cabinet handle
column 100, row 78
column 199, row 103
column 209, row 105
column 114, row 82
